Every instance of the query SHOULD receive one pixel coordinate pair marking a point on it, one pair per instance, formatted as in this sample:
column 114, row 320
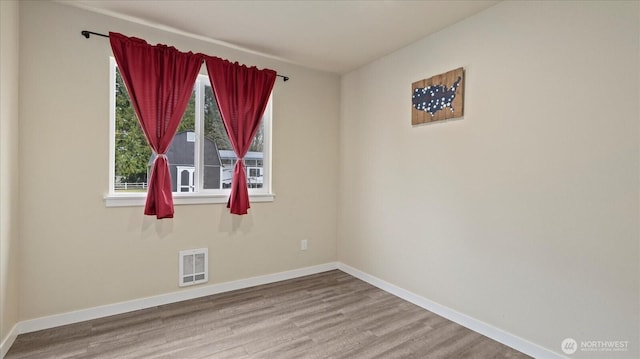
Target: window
column 201, row 159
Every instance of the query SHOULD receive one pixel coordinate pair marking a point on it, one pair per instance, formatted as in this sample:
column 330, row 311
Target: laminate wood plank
column 327, row 315
column 390, row 340
column 442, row 343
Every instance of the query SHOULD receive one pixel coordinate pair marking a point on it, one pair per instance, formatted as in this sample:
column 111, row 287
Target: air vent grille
column 194, row 266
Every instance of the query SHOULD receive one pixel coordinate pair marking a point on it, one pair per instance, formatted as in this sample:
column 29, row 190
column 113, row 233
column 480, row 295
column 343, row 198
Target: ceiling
column 334, row 36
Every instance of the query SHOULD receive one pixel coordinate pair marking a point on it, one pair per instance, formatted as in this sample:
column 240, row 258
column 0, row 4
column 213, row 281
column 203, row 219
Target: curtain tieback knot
column 162, row 155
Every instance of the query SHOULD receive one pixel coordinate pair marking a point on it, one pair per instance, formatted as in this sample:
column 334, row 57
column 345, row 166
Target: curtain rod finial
column 87, row 34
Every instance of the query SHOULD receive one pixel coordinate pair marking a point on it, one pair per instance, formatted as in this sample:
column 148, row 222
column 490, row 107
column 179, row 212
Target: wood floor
column 326, row 315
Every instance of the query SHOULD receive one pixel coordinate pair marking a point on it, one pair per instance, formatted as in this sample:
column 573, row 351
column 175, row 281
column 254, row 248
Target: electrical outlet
column 304, row 245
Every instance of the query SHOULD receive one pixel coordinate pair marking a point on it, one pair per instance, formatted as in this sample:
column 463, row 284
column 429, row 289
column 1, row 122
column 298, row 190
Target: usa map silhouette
column 435, row 97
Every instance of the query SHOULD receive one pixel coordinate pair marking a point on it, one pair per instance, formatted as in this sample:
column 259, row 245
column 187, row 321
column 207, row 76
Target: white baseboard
column 485, row 329
column 8, row 341
column 32, row 325
column 476, row 325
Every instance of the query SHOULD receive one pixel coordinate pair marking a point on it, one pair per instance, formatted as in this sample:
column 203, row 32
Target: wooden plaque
column 437, row 98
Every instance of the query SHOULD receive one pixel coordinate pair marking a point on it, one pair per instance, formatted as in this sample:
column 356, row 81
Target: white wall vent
column 194, row 267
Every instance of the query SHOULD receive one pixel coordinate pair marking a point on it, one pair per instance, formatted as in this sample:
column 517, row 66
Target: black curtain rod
column 87, row 34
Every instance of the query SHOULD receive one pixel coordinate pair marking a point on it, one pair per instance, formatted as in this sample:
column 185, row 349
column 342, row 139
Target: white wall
column 76, row 253
column 8, row 167
column 523, row 214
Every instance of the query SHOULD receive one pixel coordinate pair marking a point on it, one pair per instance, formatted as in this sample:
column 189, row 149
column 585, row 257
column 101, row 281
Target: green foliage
column 132, row 152
column 213, row 126
column 189, row 118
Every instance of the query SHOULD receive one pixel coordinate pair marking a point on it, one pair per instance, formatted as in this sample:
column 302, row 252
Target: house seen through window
column 200, row 157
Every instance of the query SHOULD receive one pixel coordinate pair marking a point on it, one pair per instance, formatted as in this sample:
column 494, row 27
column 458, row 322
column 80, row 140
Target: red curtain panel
column 242, row 94
column 160, row 81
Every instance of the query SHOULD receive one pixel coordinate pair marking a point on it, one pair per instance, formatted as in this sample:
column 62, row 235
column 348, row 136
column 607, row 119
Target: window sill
column 139, row 200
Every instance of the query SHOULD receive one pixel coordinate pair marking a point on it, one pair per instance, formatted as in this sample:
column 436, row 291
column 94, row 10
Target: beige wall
column 8, row 166
column 77, row 253
column 523, row 214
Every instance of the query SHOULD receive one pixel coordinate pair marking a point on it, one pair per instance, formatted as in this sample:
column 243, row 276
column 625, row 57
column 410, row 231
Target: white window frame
column 200, row 196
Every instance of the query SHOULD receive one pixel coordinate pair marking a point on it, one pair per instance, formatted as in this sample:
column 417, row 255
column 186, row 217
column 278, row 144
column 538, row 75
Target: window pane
column 133, row 156
column 132, row 152
column 181, row 153
column 219, row 156
column 207, row 144
column 215, row 139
